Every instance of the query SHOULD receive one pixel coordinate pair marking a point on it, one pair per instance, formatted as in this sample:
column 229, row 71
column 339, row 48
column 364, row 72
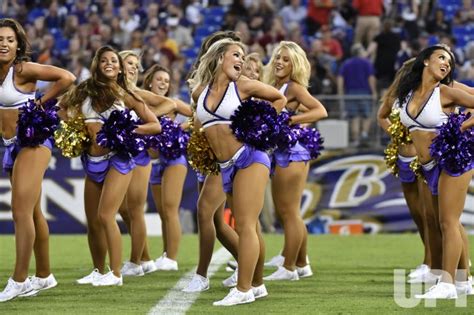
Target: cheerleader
column 426, row 100
column 167, row 176
column 108, row 173
column 26, row 165
column 288, row 70
column 132, row 208
column 412, row 187
column 210, row 206
column 219, row 89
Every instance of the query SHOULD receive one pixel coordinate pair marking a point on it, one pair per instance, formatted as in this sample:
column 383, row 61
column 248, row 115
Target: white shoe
column 419, row 271
column 236, row 297
column 231, row 281
column 14, row 289
column 260, row 291
column 149, row 266
column 132, row 269
column 40, row 284
column 108, row 279
column 425, row 278
column 304, row 272
column 276, row 261
column 464, row 287
column 90, row 277
column 165, row 263
column 159, row 259
column 283, row 274
column 442, row 290
column 197, row 284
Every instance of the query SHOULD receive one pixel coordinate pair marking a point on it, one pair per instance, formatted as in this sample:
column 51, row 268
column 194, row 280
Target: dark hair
column 24, row 47
column 412, row 80
column 102, row 91
column 149, row 76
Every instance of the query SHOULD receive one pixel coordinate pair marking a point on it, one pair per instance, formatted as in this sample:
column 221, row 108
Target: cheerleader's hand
column 467, row 124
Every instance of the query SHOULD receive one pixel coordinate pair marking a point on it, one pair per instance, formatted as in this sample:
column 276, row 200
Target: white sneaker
column 149, row 266
column 283, row 274
column 419, row 271
column 90, row 277
column 159, row 259
column 464, row 287
column 164, row 263
column 236, row 297
column 425, row 278
column 197, row 284
column 14, row 289
column 304, row 272
column 276, row 261
column 260, row 291
column 108, row 279
column 442, row 290
column 132, row 269
column 231, row 281
column 40, row 284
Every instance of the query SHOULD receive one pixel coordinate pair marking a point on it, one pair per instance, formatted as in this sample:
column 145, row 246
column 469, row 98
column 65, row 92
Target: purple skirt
column 432, row 171
column 243, row 158
column 97, row 167
column 297, row 153
column 142, row 159
column 159, row 165
column 405, row 173
column 12, row 148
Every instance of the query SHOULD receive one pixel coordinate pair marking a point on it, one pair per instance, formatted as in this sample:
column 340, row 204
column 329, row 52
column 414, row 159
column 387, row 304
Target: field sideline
column 353, row 275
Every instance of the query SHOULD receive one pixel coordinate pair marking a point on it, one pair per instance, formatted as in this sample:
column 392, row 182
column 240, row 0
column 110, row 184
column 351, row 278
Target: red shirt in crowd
column 368, row 7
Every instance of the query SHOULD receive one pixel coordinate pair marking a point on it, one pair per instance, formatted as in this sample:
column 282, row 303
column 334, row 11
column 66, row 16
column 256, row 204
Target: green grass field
column 353, row 275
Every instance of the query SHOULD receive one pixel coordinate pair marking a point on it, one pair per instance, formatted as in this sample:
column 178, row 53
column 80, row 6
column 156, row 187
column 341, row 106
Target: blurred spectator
column 458, row 52
column 322, row 80
column 438, row 24
column 317, row 52
column 331, row 45
column 71, row 26
column 466, row 72
column 273, row 36
column 129, row 21
column 181, row 34
column 409, row 15
column 318, row 14
column 260, row 14
column 55, row 17
column 369, row 13
column 356, row 78
column 384, row 49
column 347, row 11
column 151, row 22
column 293, row 14
column 193, row 13
column 242, row 29
column 79, row 67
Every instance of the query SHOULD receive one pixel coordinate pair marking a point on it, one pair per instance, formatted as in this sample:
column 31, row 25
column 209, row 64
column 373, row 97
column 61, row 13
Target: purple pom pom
column 453, row 149
column 311, row 139
column 35, row 124
column 255, row 122
column 288, row 134
column 117, row 134
column 172, row 141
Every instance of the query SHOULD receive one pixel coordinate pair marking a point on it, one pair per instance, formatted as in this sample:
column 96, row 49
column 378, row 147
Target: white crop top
column 430, row 116
column 10, row 96
column 283, row 90
column 226, row 107
column 91, row 116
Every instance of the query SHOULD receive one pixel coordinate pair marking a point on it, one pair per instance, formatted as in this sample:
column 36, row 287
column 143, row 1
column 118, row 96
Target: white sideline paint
column 177, row 302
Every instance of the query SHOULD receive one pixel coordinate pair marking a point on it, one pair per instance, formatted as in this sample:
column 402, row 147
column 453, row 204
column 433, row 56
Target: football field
column 353, row 275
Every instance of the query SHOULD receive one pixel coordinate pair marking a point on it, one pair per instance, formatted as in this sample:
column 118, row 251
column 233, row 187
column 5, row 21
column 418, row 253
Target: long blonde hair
column 124, row 54
column 301, row 66
column 209, row 63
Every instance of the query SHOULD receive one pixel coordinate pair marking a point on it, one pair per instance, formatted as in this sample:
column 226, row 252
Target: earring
column 149, row 86
column 426, row 65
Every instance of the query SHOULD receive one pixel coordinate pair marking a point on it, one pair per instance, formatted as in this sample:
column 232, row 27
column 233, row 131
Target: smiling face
column 439, row 64
column 160, row 83
column 131, row 65
column 283, row 65
column 109, row 65
column 233, row 61
column 8, row 44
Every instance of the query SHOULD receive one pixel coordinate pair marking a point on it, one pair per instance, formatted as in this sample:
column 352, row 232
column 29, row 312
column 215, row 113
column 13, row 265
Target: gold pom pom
column 399, row 136
column 415, row 166
column 72, row 137
column 200, row 155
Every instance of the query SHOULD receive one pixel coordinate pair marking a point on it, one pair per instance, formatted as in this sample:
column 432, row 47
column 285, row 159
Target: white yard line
column 178, row 302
